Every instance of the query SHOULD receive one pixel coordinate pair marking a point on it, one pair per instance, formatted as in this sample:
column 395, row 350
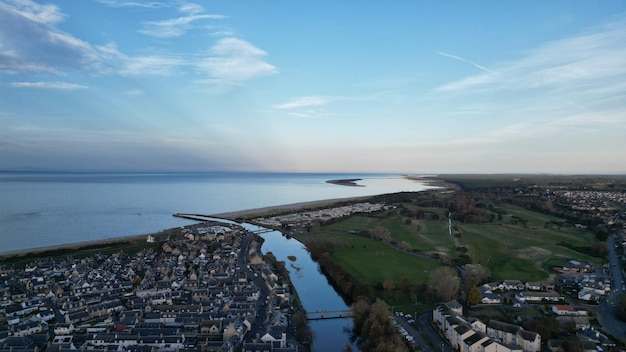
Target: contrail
column 464, row 60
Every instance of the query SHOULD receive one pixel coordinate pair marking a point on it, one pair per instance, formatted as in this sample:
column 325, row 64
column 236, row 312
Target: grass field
column 375, row 262
column 372, row 261
column 515, row 251
column 513, row 247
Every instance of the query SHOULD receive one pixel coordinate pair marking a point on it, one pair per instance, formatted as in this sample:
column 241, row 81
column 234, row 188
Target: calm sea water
column 39, row 209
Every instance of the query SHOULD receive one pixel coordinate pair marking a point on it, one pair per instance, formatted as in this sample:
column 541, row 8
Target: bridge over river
column 329, row 314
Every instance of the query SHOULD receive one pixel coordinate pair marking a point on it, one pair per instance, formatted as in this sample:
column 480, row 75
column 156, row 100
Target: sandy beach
column 233, row 215
column 69, row 247
column 258, row 212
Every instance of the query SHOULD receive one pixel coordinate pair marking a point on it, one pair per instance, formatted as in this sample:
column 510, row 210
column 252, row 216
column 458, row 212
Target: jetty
column 195, row 217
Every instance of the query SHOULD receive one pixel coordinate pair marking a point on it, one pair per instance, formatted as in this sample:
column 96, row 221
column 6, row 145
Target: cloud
column 141, row 4
column 49, row 85
column 191, row 8
column 176, row 27
column 149, row 65
column 134, row 92
column 31, row 42
column 234, row 61
column 464, row 60
column 43, row 14
column 302, row 102
column 590, row 60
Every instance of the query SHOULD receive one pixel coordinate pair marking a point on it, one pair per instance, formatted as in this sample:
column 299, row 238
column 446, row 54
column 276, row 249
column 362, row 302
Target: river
column 313, row 289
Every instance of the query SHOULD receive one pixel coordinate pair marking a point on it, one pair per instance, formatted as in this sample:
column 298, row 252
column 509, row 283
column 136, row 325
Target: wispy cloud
column 49, row 85
column 175, row 27
column 149, row 65
column 234, row 61
column 44, row 14
column 302, row 102
column 464, row 60
column 590, row 60
column 134, row 92
column 191, row 8
column 141, row 4
column 38, row 45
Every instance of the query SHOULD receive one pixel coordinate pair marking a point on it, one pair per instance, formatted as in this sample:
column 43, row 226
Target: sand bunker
column 531, row 252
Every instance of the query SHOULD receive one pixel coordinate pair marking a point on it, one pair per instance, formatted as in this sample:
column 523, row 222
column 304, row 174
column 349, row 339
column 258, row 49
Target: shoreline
column 232, row 215
column 265, row 211
column 72, row 246
column 235, row 215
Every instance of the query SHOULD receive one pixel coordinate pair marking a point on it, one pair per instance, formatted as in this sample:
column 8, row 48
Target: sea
column 42, row 209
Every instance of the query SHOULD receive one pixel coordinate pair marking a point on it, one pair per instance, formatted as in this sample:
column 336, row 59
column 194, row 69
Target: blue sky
column 321, row 86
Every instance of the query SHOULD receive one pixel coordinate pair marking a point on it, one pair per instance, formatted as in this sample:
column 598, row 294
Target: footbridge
column 329, row 314
column 263, row 230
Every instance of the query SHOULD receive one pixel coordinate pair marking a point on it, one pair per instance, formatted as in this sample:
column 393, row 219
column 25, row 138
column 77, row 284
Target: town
column 209, row 290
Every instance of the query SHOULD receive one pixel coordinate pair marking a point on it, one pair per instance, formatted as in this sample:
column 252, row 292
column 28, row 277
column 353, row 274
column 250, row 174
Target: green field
column 372, row 261
column 375, row 262
column 512, row 247
column 516, row 251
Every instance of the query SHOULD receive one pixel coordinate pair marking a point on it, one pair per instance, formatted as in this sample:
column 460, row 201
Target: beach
column 134, row 208
column 233, row 215
column 293, row 207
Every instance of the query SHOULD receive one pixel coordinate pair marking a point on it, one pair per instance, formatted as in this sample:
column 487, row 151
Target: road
column 425, row 335
column 606, row 311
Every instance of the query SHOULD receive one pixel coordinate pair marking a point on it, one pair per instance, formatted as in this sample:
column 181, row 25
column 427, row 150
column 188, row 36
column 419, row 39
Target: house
column 577, row 322
column 495, row 346
column 473, row 343
column 511, row 334
column 29, row 328
column 211, row 327
column 513, row 285
column 505, row 332
column 534, row 296
column 491, row 298
column 275, row 333
column 476, row 336
column 491, row 287
column 569, row 310
column 574, row 266
column 555, row 345
column 589, row 294
column 539, row 286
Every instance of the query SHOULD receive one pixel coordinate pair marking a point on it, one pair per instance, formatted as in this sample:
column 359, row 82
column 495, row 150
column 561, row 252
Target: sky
column 314, row 86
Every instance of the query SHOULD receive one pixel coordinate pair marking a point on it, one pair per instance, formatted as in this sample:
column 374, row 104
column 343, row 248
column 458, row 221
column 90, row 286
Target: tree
column 446, row 282
column 303, row 331
column 372, row 323
column 621, row 307
column 474, row 296
column 388, row 285
column 380, row 233
column 405, row 285
column 476, row 273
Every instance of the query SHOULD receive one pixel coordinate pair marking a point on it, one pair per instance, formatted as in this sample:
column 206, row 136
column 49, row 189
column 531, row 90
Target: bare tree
column 476, row 273
column 446, row 282
column 388, row 285
column 380, row 233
